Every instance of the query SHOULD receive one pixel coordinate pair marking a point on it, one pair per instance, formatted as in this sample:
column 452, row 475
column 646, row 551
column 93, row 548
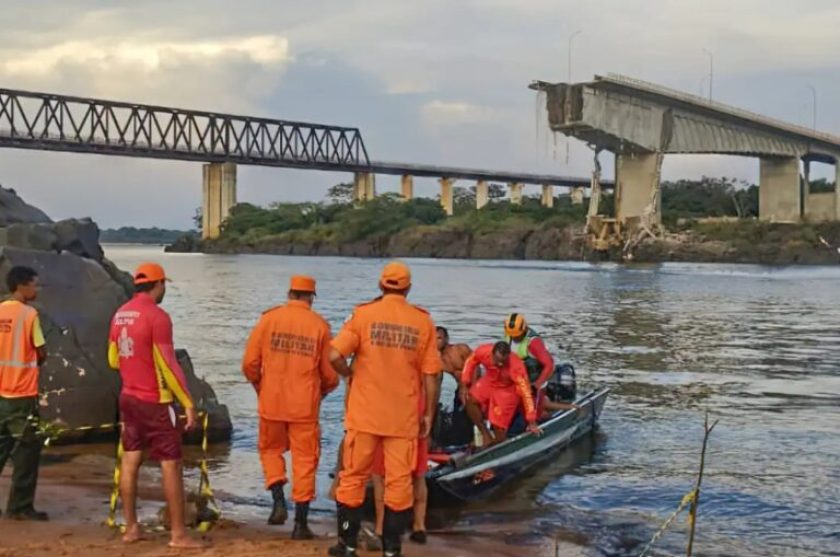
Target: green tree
column 341, row 193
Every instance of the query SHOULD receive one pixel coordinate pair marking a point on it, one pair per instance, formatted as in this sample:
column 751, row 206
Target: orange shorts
column 499, row 404
column 420, row 467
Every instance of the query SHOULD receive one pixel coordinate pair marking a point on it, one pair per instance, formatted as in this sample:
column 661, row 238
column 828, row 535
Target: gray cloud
column 432, row 81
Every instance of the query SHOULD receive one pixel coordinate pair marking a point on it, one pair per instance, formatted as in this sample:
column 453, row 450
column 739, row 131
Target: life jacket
column 521, row 349
column 18, row 356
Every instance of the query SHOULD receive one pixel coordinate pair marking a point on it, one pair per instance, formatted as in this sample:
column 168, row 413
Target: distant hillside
column 132, row 235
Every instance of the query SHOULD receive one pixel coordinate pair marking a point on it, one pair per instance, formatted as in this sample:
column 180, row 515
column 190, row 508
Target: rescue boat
column 463, row 475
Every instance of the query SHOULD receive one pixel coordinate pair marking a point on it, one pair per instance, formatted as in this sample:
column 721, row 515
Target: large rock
column 81, row 291
column 13, row 209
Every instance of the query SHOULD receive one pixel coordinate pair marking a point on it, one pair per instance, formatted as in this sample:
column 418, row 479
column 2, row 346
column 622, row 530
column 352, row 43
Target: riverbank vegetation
column 719, row 213
column 132, row 235
column 339, row 220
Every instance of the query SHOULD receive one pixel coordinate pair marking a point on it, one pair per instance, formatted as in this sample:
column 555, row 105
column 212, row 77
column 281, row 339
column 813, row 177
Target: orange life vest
column 18, row 356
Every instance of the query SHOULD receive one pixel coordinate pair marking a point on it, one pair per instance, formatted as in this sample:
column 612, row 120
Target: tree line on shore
column 338, row 219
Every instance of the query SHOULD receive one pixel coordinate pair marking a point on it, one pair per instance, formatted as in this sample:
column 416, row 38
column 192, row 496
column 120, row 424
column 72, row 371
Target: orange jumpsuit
column 394, row 346
column 287, row 360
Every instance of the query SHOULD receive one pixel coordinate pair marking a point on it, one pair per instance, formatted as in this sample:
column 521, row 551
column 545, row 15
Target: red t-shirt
column 140, row 346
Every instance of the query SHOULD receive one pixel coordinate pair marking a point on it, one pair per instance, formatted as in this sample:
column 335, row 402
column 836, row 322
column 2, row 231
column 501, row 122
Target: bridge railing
column 58, row 122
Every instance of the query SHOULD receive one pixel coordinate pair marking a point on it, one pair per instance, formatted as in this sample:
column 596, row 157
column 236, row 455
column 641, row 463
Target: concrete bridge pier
column 637, row 192
column 364, row 186
column 407, row 187
column 547, row 198
column 577, row 195
column 446, row 199
column 219, row 196
column 821, row 206
column 779, row 189
column 515, row 193
column 482, row 194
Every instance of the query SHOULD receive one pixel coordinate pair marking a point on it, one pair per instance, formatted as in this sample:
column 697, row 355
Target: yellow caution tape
column 115, row 492
column 204, row 490
column 50, row 431
column 687, row 499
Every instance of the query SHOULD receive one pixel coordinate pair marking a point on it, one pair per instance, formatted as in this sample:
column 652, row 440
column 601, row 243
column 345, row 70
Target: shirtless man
column 454, row 356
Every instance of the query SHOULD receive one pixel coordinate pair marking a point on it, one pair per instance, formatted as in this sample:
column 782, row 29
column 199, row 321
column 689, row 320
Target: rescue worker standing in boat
column 530, row 348
column 287, row 361
column 396, row 358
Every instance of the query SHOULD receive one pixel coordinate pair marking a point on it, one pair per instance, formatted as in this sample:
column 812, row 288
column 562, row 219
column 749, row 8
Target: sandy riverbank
column 75, row 490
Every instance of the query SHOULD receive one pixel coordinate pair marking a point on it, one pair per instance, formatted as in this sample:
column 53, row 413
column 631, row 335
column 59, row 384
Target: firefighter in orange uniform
column 396, row 358
column 22, row 350
column 287, row 361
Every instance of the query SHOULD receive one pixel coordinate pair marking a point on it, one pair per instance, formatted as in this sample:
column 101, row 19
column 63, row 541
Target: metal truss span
column 63, row 123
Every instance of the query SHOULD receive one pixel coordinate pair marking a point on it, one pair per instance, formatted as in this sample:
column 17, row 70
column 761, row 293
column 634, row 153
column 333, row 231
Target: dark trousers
column 19, row 441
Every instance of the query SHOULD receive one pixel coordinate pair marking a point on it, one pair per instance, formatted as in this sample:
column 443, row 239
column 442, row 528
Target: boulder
column 31, row 236
column 79, row 236
column 14, row 210
column 81, row 291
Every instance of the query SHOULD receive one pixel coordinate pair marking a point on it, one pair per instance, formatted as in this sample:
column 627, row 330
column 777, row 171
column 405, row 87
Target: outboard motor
column 562, row 387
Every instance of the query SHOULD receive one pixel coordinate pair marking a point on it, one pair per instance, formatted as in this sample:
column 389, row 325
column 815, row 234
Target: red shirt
column 140, row 346
column 537, row 349
column 512, row 376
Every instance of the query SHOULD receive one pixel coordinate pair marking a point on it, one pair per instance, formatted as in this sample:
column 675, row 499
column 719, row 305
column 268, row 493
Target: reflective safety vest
column 521, row 349
column 18, row 355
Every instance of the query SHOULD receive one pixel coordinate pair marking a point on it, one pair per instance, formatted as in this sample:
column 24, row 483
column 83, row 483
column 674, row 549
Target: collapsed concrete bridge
column 641, row 122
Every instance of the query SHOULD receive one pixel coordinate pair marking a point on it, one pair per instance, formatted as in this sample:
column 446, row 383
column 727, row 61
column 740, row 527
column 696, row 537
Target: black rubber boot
column 279, row 513
column 393, row 527
column 349, row 524
column 301, row 530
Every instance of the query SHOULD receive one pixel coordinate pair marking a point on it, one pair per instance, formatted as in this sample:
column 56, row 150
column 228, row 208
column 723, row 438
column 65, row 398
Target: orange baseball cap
column 302, row 283
column 395, row 275
column 149, row 272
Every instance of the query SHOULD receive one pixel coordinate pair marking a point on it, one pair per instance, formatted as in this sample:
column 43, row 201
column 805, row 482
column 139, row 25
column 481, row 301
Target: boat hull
column 479, row 475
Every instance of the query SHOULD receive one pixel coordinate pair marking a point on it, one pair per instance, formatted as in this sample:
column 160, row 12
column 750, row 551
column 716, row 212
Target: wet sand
column 75, row 490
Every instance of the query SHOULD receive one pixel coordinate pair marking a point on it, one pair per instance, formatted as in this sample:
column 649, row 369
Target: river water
column 757, row 347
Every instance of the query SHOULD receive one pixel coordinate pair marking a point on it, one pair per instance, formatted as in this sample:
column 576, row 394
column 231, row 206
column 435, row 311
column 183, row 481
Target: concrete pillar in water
column 219, row 196
column 364, row 186
column 407, row 187
column 547, row 198
column 482, row 194
column 779, row 189
column 637, row 187
column 446, row 195
column 515, row 193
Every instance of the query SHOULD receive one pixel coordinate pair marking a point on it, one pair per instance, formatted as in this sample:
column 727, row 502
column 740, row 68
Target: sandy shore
column 75, row 492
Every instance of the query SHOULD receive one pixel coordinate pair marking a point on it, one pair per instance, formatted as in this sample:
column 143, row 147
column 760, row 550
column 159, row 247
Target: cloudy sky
column 427, row 81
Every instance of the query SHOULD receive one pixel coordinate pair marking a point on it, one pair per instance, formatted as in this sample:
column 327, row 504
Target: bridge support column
column 637, row 188
column 219, row 196
column 837, row 189
column 779, row 189
column 820, row 206
column 515, row 193
column 576, row 195
column 547, row 199
column 364, row 186
column 407, row 187
column 446, row 196
column 482, row 194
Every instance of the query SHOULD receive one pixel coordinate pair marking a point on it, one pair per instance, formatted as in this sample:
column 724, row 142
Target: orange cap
column 149, row 272
column 302, row 283
column 395, row 275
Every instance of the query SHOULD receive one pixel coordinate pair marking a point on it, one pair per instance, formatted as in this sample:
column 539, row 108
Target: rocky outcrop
column 81, row 291
column 13, row 209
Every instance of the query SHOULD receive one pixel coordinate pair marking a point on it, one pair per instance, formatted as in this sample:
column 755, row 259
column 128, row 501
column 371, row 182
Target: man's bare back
column 454, row 356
